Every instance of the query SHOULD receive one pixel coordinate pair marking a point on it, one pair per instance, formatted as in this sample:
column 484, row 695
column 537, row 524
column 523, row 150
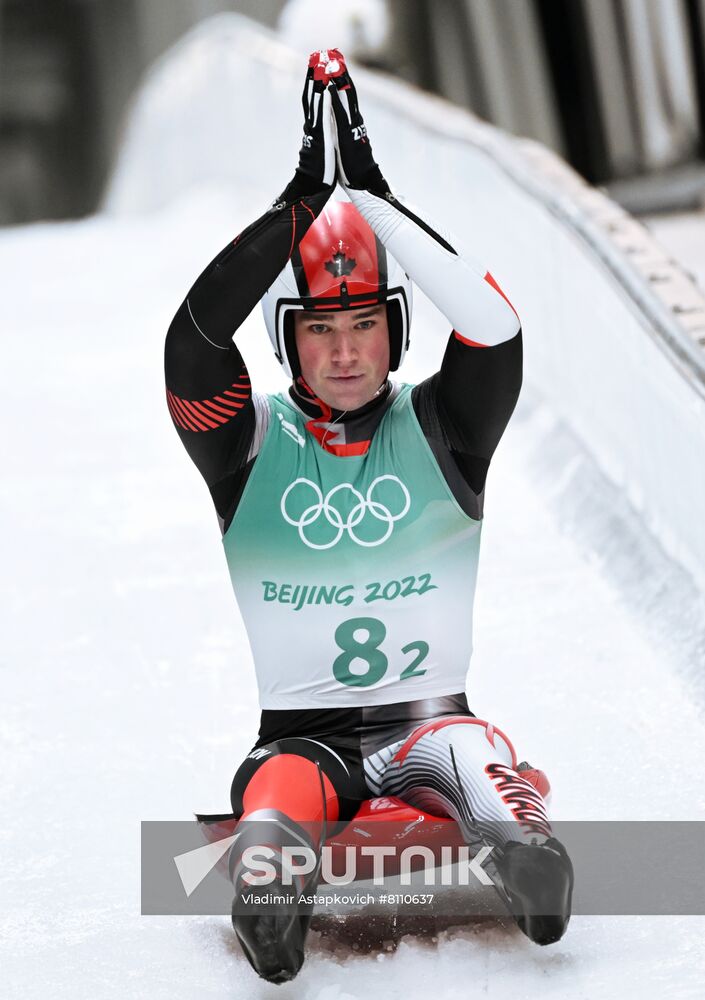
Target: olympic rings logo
column 363, row 505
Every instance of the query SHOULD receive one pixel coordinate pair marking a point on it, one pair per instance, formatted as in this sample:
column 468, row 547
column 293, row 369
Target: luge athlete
column 351, row 509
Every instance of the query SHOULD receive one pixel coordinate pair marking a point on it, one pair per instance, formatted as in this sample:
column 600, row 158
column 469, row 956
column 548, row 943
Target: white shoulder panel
column 263, row 414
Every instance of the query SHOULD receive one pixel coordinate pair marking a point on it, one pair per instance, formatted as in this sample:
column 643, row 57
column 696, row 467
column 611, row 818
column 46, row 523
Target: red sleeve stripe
column 172, row 409
column 206, row 414
column 203, row 419
column 490, row 281
column 213, row 408
column 464, row 340
column 228, row 405
column 182, row 419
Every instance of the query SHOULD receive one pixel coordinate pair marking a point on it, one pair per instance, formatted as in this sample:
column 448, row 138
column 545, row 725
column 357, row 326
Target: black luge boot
column 538, row 880
column 273, row 933
column 270, row 921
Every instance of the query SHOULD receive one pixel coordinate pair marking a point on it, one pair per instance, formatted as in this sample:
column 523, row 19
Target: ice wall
column 614, row 330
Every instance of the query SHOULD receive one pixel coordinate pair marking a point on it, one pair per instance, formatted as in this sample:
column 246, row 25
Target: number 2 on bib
column 369, row 652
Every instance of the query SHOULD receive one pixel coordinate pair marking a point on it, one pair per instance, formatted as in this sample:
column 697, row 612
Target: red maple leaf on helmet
column 340, row 265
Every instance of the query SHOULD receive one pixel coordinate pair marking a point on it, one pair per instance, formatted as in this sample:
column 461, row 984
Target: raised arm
column 466, row 406
column 208, row 388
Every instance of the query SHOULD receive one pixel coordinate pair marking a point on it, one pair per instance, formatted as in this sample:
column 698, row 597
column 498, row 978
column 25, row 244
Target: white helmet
column 339, row 264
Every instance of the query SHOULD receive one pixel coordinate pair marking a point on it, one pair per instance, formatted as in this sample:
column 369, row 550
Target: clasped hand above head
column 338, row 137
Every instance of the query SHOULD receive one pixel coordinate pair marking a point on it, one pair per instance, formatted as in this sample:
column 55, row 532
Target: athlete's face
column 344, row 355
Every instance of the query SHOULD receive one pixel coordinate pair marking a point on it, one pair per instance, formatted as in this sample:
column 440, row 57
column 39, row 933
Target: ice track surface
column 128, row 691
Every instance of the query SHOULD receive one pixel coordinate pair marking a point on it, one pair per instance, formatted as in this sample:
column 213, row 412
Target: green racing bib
column 355, row 575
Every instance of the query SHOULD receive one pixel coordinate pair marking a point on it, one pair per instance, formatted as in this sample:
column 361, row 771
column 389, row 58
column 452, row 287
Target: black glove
column 355, row 161
column 317, row 166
